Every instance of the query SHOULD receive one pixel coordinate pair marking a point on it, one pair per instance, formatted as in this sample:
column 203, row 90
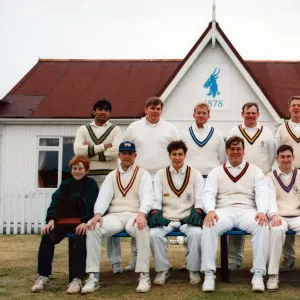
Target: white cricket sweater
column 259, row 145
column 206, row 148
column 287, row 192
column 151, row 141
column 288, row 136
column 177, row 202
column 126, row 192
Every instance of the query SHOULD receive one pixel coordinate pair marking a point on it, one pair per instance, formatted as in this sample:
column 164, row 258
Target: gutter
column 52, row 121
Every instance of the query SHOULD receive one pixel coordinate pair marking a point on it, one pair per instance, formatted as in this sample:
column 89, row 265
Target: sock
column 259, row 273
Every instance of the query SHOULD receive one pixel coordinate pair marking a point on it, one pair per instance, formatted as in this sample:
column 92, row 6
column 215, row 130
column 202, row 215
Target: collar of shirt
column 182, row 170
column 257, row 126
column 151, row 124
column 291, row 123
column 196, row 128
column 279, row 172
column 241, row 166
column 104, row 125
column 128, row 170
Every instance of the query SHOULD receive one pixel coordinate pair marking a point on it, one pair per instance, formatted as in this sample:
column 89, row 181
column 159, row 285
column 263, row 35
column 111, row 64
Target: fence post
column 1, row 214
column 22, row 214
column 8, row 203
column 28, row 212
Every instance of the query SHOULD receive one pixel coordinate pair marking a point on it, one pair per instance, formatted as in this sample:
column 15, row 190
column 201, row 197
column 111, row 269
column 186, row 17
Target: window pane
column 48, row 169
column 68, row 153
column 49, row 142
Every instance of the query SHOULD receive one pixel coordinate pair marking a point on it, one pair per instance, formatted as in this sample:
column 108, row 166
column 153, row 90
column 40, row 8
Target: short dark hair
column 102, row 104
column 235, row 140
column 284, row 147
column 154, row 101
column 175, row 145
column 250, row 104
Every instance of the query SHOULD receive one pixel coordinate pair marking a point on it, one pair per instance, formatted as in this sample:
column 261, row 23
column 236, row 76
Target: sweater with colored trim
column 176, row 206
column 84, row 191
column 288, row 202
column 99, row 157
column 210, row 155
column 250, row 189
column 285, row 138
column 262, row 152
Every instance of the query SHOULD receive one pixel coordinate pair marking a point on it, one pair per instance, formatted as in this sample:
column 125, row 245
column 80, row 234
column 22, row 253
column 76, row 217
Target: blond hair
column 202, row 104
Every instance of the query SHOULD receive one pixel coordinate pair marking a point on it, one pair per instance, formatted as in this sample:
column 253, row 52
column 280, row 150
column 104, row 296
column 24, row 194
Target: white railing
column 23, row 214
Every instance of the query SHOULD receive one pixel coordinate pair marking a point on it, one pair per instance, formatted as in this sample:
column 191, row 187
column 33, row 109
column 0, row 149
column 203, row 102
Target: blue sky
column 99, row 29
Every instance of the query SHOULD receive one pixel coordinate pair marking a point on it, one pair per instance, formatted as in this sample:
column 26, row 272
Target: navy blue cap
column 127, row 146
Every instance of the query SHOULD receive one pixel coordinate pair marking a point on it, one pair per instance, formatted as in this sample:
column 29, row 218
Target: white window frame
column 58, row 148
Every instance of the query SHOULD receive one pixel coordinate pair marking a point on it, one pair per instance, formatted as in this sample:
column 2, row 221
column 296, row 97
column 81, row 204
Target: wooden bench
column 223, row 249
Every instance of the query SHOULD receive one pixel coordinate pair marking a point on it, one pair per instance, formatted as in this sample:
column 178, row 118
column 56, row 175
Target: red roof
column 56, row 88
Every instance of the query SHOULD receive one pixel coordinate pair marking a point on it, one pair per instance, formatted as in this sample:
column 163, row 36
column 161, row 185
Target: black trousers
column 47, row 246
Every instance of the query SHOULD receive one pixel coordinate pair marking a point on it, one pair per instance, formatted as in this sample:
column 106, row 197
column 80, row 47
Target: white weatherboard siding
column 178, row 106
column 19, row 154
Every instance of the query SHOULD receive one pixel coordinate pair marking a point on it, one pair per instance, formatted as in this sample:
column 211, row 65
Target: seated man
column 125, row 198
column 74, row 198
column 177, row 206
column 284, row 183
column 235, row 196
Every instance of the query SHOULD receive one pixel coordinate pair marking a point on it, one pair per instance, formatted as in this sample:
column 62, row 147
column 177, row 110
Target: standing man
column 235, row 196
column 151, row 136
column 177, row 206
column 125, row 198
column 285, row 190
column 289, row 134
column 99, row 141
column 260, row 151
column 205, row 143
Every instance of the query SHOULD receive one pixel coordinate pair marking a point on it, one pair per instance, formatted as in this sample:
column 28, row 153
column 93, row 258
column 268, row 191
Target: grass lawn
column 18, row 256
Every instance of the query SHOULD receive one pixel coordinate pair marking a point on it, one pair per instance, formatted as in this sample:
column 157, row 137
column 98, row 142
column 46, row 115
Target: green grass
column 18, row 256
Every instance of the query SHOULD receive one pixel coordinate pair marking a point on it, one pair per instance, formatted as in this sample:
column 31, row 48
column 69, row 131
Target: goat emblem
column 211, row 83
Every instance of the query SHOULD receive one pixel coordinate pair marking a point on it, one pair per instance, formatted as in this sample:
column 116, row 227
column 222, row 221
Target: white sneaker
column 258, row 285
column 117, row 268
column 74, row 286
column 161, row 277
column 194, row 277
column 131, row 265
column 287, row 267
column 272, row 284
column 91, row 285
column 209, row 283
column 41, row 283
column 144, row 283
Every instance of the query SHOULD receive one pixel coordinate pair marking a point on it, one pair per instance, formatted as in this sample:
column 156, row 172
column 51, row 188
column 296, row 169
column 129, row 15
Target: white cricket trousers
column 113, row 245
column 159, row 246
column 243, row 219
column 113, row 224
column 277, row 238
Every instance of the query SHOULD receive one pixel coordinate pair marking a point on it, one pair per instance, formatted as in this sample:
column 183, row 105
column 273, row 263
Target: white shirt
column 260, row 187
column 178, row 178
column 106, row 192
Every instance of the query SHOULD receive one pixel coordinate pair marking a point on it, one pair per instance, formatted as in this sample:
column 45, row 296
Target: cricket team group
column 153, row 180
